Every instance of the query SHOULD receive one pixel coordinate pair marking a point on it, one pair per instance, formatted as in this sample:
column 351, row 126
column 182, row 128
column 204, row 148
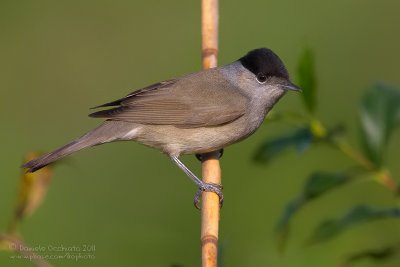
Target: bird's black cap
column 264, row 61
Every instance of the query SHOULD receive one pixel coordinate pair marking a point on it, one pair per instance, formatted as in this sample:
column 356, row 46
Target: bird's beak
column 291, row 86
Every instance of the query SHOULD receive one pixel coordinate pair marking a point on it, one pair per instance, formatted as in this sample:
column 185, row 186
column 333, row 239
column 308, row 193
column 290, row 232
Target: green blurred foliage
column 58, row 58
column 301, row 139
column 317, row 184
column 376, row 255
column 307, row 79
column 357, row 215
column 379, row 111
column 378, row 120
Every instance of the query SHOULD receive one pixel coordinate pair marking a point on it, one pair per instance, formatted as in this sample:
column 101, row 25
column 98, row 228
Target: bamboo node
column 209, row 52
column 207, row 239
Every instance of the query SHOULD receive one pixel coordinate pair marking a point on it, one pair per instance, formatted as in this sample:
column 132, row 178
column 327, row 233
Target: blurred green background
column 58, row 58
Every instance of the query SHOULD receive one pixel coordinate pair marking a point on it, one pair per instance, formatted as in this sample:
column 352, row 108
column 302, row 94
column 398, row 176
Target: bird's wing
column 180, row 103
column 138, row 93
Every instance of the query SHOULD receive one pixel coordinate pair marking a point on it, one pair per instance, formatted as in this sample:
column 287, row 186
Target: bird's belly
column 176, row 141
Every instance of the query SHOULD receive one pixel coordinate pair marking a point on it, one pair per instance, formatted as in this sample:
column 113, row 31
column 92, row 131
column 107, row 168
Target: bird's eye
column 261, row 78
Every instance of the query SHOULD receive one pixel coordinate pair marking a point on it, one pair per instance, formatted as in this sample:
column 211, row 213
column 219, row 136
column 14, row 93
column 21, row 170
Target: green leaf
column 358, row 215
column 307, row 80
column 317, row 184
column 301, row 139
column 321, row 182
column 378, row 117
column 282, row 228
column 380, row 254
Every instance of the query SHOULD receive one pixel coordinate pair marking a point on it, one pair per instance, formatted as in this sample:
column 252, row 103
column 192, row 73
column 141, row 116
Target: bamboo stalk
column 211, row 172
column 209, row 33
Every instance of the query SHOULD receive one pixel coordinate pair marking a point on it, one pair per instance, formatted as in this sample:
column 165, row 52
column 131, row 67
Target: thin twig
column 211, row 170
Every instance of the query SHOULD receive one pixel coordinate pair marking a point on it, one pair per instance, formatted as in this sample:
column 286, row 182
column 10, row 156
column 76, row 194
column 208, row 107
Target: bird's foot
column 209, row 187
column 202, row 157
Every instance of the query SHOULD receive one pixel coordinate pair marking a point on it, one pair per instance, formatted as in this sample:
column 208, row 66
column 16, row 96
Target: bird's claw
column 209, row 187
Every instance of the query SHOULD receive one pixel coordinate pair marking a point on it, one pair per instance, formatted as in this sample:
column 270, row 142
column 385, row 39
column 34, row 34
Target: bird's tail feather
column 106, row 132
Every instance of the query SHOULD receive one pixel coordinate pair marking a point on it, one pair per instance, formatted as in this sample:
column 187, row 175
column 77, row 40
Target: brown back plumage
column 170, row 103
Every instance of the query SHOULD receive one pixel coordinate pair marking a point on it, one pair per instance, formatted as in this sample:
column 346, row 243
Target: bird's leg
column 203, row 187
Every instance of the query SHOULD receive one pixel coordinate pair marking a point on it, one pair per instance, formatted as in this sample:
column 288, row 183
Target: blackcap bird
column 193, row 114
